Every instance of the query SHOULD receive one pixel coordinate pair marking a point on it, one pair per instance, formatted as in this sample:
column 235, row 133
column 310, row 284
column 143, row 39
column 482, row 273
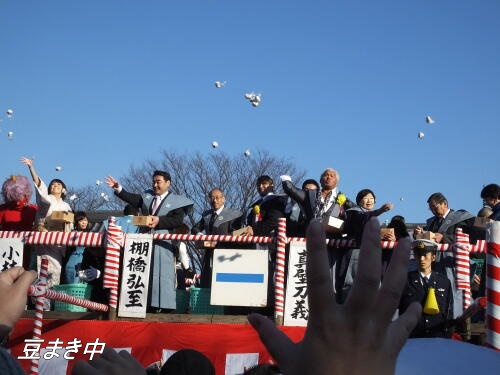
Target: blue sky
column 98, row 86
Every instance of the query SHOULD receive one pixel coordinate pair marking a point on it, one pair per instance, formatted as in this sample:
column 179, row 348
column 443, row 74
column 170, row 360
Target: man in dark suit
column 432, row 323
column 445, row 220
column 220, row 219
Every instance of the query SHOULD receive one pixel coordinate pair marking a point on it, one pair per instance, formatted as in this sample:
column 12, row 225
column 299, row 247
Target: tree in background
column 194, row 175
column 93, row 198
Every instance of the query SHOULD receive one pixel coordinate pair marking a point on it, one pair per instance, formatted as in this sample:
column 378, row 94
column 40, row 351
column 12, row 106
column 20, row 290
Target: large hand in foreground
column 357, row 337
column 14, row 284
column 109, row 363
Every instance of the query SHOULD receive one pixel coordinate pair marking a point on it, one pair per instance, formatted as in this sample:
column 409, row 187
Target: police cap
column 421, row 247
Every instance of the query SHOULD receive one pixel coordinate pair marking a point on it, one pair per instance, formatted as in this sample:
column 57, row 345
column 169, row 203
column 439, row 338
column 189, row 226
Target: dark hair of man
column 398, row 224
column 437, row 198
column 363, row 193
column 491, row 191
column 310, row 181
column 264, row 178
column 165, row 175
column 398, row 218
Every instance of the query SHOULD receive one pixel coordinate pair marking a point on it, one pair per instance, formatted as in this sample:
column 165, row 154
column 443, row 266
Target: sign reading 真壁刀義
column 296, row 305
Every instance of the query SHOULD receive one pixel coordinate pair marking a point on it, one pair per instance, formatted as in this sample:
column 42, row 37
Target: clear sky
column 98, row 86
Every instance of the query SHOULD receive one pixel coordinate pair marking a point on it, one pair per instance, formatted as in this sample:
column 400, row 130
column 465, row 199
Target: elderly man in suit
column 446, row 220
column 219, row 219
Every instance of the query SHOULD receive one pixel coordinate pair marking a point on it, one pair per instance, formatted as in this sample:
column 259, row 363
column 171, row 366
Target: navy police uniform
column 416, row 290
column 429, row 325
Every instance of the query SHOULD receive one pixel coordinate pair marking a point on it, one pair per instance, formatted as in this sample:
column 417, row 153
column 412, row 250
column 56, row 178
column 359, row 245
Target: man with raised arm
column 167, row 211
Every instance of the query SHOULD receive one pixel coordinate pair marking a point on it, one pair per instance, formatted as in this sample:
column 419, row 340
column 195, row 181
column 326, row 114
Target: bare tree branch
column 194, row 175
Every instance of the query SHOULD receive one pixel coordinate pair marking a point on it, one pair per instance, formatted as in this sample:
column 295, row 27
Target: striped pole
column 40, row 303
column 493, row 285
column 114, row 242
column 64, row 297
column 279, row 284
column 462, row 264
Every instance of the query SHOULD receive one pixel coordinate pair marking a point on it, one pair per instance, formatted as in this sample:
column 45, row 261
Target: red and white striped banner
column 493, row 285
column 462, row 264
column 212, row 237
column 91, row 239
column 279, row 284
column 480, row 247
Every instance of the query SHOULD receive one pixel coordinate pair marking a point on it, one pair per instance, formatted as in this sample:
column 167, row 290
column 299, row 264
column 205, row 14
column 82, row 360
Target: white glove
column 285, row 177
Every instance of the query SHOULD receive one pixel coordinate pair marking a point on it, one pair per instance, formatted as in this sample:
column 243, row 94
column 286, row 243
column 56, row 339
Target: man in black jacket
column 264, row 214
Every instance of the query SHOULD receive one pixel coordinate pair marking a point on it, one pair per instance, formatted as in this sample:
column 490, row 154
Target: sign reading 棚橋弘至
column 11, row 253
column 135, row 275
column 296, row 305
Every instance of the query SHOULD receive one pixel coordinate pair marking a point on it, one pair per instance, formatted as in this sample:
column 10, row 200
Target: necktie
column 438, row 223
column 156, row 204
column 427, row 281
column 212, row 221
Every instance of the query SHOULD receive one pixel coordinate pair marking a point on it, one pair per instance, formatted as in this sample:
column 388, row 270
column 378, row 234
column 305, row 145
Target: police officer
column 420, row 287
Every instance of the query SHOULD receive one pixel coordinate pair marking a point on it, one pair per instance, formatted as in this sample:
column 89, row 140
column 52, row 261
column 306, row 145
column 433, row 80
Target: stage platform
column 228, row 341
